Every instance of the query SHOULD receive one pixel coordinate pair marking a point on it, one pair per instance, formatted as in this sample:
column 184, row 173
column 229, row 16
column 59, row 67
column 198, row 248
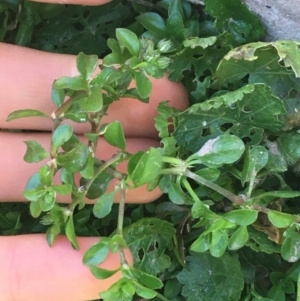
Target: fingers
column 78, row 2
column 15, row 172
column 31, row 270
column 31, row 88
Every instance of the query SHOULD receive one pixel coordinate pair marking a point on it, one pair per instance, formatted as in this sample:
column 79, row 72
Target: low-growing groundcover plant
column 227, row 227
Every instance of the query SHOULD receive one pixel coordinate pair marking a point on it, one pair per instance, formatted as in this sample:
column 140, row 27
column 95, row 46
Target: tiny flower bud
column 164, row 46
column 162, row 62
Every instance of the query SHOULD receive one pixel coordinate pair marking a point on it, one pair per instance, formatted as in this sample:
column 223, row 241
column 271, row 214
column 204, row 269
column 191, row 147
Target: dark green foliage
column 227, row 227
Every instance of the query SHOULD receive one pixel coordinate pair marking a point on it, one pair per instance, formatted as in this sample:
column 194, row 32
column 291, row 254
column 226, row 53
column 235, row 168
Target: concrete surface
column 280, row 17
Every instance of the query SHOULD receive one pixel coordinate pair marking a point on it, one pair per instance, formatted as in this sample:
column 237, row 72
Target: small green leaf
column 88, row 170
column 93, row 102
column 144, row 167
column 238, row 239
column 35, row 152
column 242, row 217
column 70, row 232
column 67, row 177
column 218, row 243
column 107, row 76
column 45, row 175
column 96, row 254
column 281, row 219
column 34, row 194
column 112, row 59
column 25, row 113
column 145, row 292
column 104, row 204
column 201, row 244
column 86, row 64
column 64, row 189
column 114, row 135
column 225, row 149
column 51, row 234
column 58, row 96
column 153, row 22
column 75, row 159
column 256, row 159
column 143, row 84
column 129, row 40
column 76, row 83
column 48, row 200
column 290, row 249
column 35, row 209
column 60, row 136
column 149, row 280
column 102, row 273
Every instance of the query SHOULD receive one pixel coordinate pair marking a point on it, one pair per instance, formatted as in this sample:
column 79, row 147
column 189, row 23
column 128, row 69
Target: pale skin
column 29, row 269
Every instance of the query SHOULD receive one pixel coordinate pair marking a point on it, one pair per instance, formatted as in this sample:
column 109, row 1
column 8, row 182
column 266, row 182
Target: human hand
column 29, row 269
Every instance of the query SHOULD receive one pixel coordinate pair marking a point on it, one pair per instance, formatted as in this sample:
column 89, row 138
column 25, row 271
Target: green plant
column 229, row 228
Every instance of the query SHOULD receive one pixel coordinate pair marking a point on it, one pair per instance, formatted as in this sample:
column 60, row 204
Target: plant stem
column 121, row 210
column 238, row 200
column 67, row 104
column 190, row 189
column 106, row 164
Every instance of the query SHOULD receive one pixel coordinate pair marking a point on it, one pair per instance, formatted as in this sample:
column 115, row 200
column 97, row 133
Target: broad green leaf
column 289, row 146
column 261, row 61
column 35, row 152
column 102, row 273
column 255, row 160
column 114, row 135
column 172, row 288
column 238, row 239
column 199, row 42
column 70, row 232
column 225, row 149
column 104, row 204
column 218, row 243
column 144, row 167
column 96, row 254
column 281, row 219
column 58, row 96
column 290, row 249
column 165, row 112
column 75, row 159
column 276, row 293
column 71, row 143
column 143, row 84
column 86, row 64
column 150, row 237
column 211, row 174
column 93, row 102
column 25, row 113
column 175, row 25
column 67, row 177
column 245, row 112
column 129, row 40
column 259, row 242
column 242, row 217
column 76, row 83
column 153, row 22
column 234, row 17
column 207, row 278
column 60, row 136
